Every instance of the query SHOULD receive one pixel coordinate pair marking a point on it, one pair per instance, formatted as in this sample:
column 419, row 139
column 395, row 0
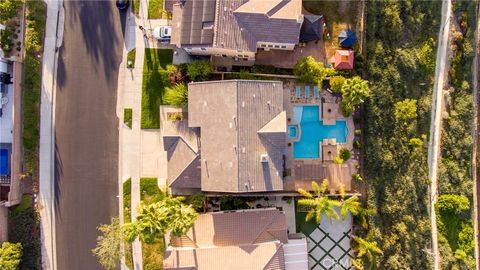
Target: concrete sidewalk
column 53, row 38
column 140, row 151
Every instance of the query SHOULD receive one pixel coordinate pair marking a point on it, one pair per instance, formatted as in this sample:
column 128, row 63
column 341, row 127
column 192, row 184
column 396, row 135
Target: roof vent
column 243, row 104
column 243, row 150
column 264, row 158
column 253, row 95
column 269, row 103
column 204, row 103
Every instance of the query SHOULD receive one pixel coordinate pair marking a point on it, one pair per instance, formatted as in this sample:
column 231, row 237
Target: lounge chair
column 307, row 91
column 316, row 94
column 298, row 92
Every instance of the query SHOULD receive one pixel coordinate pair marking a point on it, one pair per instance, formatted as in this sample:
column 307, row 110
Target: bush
column 344, row 154
column 176, row 95
column 415, row 142
column 336, row 83
column 197, row 201
column 357, row 144
column 406, row 110
column 358, row 132
column 6, row 40
column 338, row 160
column 199, row 70
column 357, row 177
column 10, row 256
column 131, row 58
column 175, row 74
column 9, row 9
column 232, row 203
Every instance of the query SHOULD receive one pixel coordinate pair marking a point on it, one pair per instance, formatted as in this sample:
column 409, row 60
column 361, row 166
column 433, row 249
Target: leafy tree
column 199, row 70
column 10, row 256
column 175, row 74
column 108, row 250
column 176, row 95
column 406, row 110
column 368, row 249
column 197, row 201
column 354, row 92
column 308, row 70
column 318, row 203
column 336, row 83
column 154, row 220
column 416, row 142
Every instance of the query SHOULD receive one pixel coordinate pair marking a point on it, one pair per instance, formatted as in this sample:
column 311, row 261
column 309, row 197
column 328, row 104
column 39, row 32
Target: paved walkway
column 140, row 151
column 46, row 176
column 436, row 123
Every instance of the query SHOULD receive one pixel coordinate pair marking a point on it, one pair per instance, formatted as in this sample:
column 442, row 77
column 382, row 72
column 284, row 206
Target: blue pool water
column 292, row 132
column 4, row 170
column 313, row 132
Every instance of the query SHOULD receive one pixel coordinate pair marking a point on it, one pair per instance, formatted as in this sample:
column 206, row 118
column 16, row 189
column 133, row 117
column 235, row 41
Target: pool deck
column 303, row 171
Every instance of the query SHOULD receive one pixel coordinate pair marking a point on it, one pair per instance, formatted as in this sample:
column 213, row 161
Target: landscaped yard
column 152, row 252
column 338, row 15
column 155, row 79
column 327, row 242
column 155, row 10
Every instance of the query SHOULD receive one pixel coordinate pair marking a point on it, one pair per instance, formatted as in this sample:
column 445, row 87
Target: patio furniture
column 307, row 91
column 316, row 94
column 298, row 92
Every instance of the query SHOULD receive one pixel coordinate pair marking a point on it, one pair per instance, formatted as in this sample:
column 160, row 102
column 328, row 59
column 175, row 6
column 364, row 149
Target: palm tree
column 352, row 205
column 367, row 248
column 319, row 203
column 169, row 214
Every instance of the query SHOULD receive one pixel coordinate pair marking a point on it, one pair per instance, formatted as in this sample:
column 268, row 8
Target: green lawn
column 155, row 79
column 127, row 217
column 131, row 58
column 152, row 252
column 155, row 9
column 127, row 117
column 136, row 7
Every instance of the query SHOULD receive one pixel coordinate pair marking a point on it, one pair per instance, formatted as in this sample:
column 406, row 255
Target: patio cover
column 343, row 59
column 312, row 28
column 347, row 38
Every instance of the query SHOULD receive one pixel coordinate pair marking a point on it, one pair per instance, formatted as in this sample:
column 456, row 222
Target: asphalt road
column 86, row 129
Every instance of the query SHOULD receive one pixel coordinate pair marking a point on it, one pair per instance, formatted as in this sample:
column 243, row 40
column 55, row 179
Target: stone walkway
column 140, row 151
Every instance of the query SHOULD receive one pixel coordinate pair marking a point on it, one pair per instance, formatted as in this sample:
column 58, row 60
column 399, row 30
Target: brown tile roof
column 268, row 256
column 183, row 166
column 230, row 114
column 249, row 239
column 191, row 22
column 238, row 228
column 240, row 24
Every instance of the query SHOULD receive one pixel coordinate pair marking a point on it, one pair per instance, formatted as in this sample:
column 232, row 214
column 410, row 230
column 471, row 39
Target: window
column 224, row 55
column 284, row 47
column 263, row 45
column 276, row 46
column 270, row 46
column 203, row 49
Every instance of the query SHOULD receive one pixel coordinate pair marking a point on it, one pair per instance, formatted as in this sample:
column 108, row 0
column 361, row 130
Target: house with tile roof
column 236, row 28
column 241, row 128
column 249, row 239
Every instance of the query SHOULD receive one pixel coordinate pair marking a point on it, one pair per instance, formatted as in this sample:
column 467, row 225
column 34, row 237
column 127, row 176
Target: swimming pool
column 313, row 132
column 4, row 170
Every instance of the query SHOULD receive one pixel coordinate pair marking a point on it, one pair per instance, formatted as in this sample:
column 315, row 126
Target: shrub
column 415, row 142
column 10, row 256
column 344, row 154
column 9, row 9
column 357, row 177
column 406, row 110
column 358, row 132
column 176, row 95
column 357, row 144
column 199, row 70
column 131, row 58
column 175, row 74
column 232, row 203
column 338, row 160
column 6, row 40
column 197, row 201
column 336, row 83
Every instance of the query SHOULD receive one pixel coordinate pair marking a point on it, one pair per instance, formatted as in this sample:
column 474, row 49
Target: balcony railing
column 4, row 179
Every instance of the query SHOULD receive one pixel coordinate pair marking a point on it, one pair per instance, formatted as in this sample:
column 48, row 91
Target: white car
column 162, row 33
